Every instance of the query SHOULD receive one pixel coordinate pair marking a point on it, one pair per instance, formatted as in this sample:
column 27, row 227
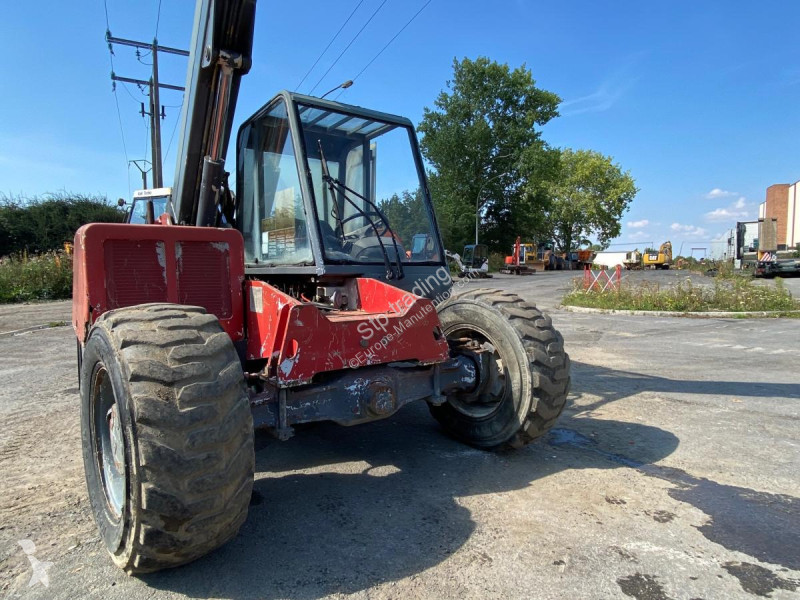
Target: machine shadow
column 610, row 385
column 379, row 502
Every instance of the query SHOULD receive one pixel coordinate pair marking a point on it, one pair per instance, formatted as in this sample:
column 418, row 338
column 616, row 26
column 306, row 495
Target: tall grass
column 735, row 294
column 717, row 268
column 45, row 277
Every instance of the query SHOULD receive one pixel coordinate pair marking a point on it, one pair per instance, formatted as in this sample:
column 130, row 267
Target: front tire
column 167, row 435
column 525, row 382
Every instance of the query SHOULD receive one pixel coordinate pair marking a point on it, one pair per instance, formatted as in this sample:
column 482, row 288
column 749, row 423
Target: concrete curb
column 667, row 313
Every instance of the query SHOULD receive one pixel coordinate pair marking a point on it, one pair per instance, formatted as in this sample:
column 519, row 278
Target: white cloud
column 601, row 100
column 688, row 229
column 722, row 237
column 608, row 93
column 640, row 236
column 638, row 224
column 725, row 214
column 719, row 193
column 737, row 210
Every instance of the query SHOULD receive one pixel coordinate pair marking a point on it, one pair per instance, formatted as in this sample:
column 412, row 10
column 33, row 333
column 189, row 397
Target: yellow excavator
column 658, row 260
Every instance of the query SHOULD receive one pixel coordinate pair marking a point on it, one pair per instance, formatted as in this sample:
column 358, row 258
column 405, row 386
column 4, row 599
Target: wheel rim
column 494, row 386
column 109, row 442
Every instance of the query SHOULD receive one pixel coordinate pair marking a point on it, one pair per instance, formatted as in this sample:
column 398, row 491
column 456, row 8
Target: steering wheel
column 380, row 225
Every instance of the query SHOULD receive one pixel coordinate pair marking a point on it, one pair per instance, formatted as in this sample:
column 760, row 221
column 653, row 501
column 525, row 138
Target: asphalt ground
column 674, row 472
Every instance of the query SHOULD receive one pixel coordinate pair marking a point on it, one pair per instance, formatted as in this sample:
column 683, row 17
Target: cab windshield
column 139, row 209
column 373, row 205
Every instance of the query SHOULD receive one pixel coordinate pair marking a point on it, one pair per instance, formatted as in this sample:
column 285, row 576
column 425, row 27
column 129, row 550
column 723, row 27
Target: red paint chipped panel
column 300, row 340
column 119, row 265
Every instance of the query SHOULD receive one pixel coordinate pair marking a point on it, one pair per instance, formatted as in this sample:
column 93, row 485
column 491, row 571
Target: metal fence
column 601, row 281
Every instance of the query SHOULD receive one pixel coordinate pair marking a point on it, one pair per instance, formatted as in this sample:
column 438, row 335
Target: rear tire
column 167, row 435
column 528, row 381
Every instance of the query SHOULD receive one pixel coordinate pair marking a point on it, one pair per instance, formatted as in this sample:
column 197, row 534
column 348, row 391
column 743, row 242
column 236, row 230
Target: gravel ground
column 673, row 473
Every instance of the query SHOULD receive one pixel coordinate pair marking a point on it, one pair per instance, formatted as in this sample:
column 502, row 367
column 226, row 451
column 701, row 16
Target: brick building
column 783, row 203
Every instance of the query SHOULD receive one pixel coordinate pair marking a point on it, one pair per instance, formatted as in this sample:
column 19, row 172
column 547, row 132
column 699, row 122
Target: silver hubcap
column 109, row 443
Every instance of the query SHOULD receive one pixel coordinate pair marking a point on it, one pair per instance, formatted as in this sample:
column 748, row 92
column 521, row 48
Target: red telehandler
column 299, row 298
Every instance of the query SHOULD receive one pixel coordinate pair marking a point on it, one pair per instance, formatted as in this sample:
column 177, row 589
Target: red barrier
column 601, row 281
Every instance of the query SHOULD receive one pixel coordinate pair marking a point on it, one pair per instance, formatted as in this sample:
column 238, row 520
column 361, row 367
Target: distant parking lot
column 672, row 474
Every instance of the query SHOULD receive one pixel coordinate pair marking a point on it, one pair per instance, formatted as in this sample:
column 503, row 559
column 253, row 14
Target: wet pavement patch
column 642, row 587
column 660, row 516
column 757, row 580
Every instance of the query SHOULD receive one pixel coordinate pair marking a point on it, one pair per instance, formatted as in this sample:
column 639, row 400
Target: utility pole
column 156, row 112
column 142, row 169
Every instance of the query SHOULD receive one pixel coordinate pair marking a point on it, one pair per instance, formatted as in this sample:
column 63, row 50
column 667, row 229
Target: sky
column 698, row 100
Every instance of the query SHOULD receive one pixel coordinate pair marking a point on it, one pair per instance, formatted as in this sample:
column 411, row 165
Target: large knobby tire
column 167, row 435
column 526, row 385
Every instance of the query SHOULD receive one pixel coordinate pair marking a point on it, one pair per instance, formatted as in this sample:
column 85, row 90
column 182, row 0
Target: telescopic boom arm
column 221, row 52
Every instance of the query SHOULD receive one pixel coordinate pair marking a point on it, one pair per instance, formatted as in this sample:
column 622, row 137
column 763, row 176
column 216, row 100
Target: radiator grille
column 135, row 272
column 204, row 277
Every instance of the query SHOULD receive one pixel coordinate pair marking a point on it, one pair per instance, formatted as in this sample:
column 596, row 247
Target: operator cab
column 334, row 190
column 138, row 212
column 475, row 255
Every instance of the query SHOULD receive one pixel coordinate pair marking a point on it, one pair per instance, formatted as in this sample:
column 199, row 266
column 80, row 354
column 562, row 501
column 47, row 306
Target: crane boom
column 221, row 52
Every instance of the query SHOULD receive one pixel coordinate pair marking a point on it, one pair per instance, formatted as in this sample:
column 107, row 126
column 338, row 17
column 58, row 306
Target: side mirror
column 121, row 202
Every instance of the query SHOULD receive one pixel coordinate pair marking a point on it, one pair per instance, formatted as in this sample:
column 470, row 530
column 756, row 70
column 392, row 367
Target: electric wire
column 346, row 48
column 134, row 98
column 396, row 35
column 124, row 147
column 333, row 39
column 116, row 102
column 158, row 20
column 171, row 137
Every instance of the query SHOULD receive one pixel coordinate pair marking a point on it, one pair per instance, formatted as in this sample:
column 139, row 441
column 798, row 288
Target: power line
column 154, row 85
column 134, row 98
column 116, row 99
column 396, row 35
column 333, row 39
column 172, row 135
column 158, row 19
column 124, row 147
column 140, row 56
column 121, row 130
column 355, row 37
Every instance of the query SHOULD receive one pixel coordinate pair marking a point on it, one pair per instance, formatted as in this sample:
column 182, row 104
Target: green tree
column 482, row 142
column 407, row 215
column 587, row 198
